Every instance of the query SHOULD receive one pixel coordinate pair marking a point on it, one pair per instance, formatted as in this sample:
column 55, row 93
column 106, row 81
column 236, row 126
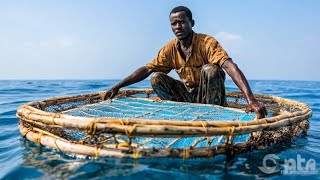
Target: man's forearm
column 238, row 77
column 240, row 80
column 138, row 75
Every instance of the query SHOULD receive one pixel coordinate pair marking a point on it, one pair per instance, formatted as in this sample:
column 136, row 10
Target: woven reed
column 48, row 128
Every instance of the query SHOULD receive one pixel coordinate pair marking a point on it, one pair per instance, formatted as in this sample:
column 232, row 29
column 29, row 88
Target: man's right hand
column 138, row 75
column 111, row 93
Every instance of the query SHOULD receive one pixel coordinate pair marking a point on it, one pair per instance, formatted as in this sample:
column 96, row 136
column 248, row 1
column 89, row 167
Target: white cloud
column 64, row 41
column 225, row 36
column 232, row 43
column 56, row 42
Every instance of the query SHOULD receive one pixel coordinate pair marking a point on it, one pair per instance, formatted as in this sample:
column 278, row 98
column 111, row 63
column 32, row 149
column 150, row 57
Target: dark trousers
column 211, row 89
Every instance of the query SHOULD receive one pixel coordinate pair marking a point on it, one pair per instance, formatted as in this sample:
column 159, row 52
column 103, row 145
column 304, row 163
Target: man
column 198, row 59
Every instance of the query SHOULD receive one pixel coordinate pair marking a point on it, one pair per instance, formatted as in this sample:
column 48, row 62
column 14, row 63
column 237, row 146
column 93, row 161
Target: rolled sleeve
column 216, row 54
column 162, row 63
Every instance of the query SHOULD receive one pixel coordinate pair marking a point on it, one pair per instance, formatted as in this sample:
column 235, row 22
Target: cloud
column 232, row 43
column 225, row 36
column 64, row 41
column 56, row 42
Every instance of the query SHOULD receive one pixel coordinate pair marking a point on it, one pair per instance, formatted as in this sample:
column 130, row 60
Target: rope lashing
column 204, row 125
column 124, row 144
column 92, row 127
column 131, row 130
column 135, row 154
column 97, row 151
column 125, row 129
column 53, row 118
column 231, row 130
column 39, row 139
column 28, row 130
column 186, row 153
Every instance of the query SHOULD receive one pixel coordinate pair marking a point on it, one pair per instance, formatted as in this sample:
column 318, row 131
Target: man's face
column 180, row 24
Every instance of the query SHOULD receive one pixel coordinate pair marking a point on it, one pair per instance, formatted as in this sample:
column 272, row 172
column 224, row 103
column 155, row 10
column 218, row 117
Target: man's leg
column 211, row 87
column 168, row 88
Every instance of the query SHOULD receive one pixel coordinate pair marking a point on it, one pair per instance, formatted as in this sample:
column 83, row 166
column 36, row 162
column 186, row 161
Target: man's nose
column 178, row 25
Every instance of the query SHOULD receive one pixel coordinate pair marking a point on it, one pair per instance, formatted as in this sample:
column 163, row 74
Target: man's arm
column 138, row 75
column 240, row 80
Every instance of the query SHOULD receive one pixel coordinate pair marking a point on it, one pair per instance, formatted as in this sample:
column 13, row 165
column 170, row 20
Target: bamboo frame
column 33, row 113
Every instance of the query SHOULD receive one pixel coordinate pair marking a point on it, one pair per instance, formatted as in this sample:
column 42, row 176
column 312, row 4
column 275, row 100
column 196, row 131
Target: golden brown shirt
column 204, row 49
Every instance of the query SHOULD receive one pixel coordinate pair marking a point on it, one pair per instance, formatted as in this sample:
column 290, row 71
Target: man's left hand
column 258, row 108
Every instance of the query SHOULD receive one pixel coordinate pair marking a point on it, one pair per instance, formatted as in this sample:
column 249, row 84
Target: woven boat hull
column 77, row 125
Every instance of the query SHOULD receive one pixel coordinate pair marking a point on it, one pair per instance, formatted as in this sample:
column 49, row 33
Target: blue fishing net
column 141, row 108
column 127, row 107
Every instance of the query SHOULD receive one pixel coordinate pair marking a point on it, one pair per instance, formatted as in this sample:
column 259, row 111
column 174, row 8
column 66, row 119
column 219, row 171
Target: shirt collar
column 194, row 40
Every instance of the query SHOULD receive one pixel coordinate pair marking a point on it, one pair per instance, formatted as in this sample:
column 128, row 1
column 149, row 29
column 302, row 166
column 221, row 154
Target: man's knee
column 156, row 78
column 213, row 71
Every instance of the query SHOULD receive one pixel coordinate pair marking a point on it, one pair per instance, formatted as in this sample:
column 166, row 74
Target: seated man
column 198, row 59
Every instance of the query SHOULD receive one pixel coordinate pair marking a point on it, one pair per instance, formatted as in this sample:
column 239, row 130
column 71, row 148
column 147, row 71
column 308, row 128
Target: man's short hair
column 182, row 8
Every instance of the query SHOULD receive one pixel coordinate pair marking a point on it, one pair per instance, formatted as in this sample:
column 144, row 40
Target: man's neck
column 186, row 42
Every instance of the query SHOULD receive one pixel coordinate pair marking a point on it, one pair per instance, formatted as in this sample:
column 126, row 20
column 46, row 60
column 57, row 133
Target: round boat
column 137, row 124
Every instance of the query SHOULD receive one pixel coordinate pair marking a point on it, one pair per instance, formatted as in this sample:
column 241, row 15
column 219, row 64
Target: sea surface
column 22, row 159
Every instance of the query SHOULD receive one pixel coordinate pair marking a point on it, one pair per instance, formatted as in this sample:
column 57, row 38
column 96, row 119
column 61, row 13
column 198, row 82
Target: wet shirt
column 204, row 49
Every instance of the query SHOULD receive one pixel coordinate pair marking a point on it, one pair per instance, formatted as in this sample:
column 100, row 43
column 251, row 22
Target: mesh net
column 127, row 107
column 146, row 109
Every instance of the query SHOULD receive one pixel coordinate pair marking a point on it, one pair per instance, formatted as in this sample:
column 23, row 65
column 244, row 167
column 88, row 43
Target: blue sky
column 269, row 40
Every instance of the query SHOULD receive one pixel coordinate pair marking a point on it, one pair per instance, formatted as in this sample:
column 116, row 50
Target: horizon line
column 98, row 79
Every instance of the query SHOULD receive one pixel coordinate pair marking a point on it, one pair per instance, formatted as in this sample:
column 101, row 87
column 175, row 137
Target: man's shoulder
column 204, row 37
column 171, row 44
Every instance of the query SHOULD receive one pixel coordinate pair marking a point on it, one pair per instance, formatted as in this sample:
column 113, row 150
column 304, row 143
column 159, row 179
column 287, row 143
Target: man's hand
column 111, row 92
column 258, row 108
column 240, row 80
column 138, row 75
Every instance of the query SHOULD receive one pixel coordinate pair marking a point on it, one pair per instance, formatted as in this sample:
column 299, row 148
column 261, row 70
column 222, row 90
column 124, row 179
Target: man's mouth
column 179, row 33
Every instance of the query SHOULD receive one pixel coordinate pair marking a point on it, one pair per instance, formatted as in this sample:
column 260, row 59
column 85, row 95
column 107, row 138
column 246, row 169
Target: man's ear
column 192, row 23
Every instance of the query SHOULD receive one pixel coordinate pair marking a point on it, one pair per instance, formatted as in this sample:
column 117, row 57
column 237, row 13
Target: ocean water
column 21, row 159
